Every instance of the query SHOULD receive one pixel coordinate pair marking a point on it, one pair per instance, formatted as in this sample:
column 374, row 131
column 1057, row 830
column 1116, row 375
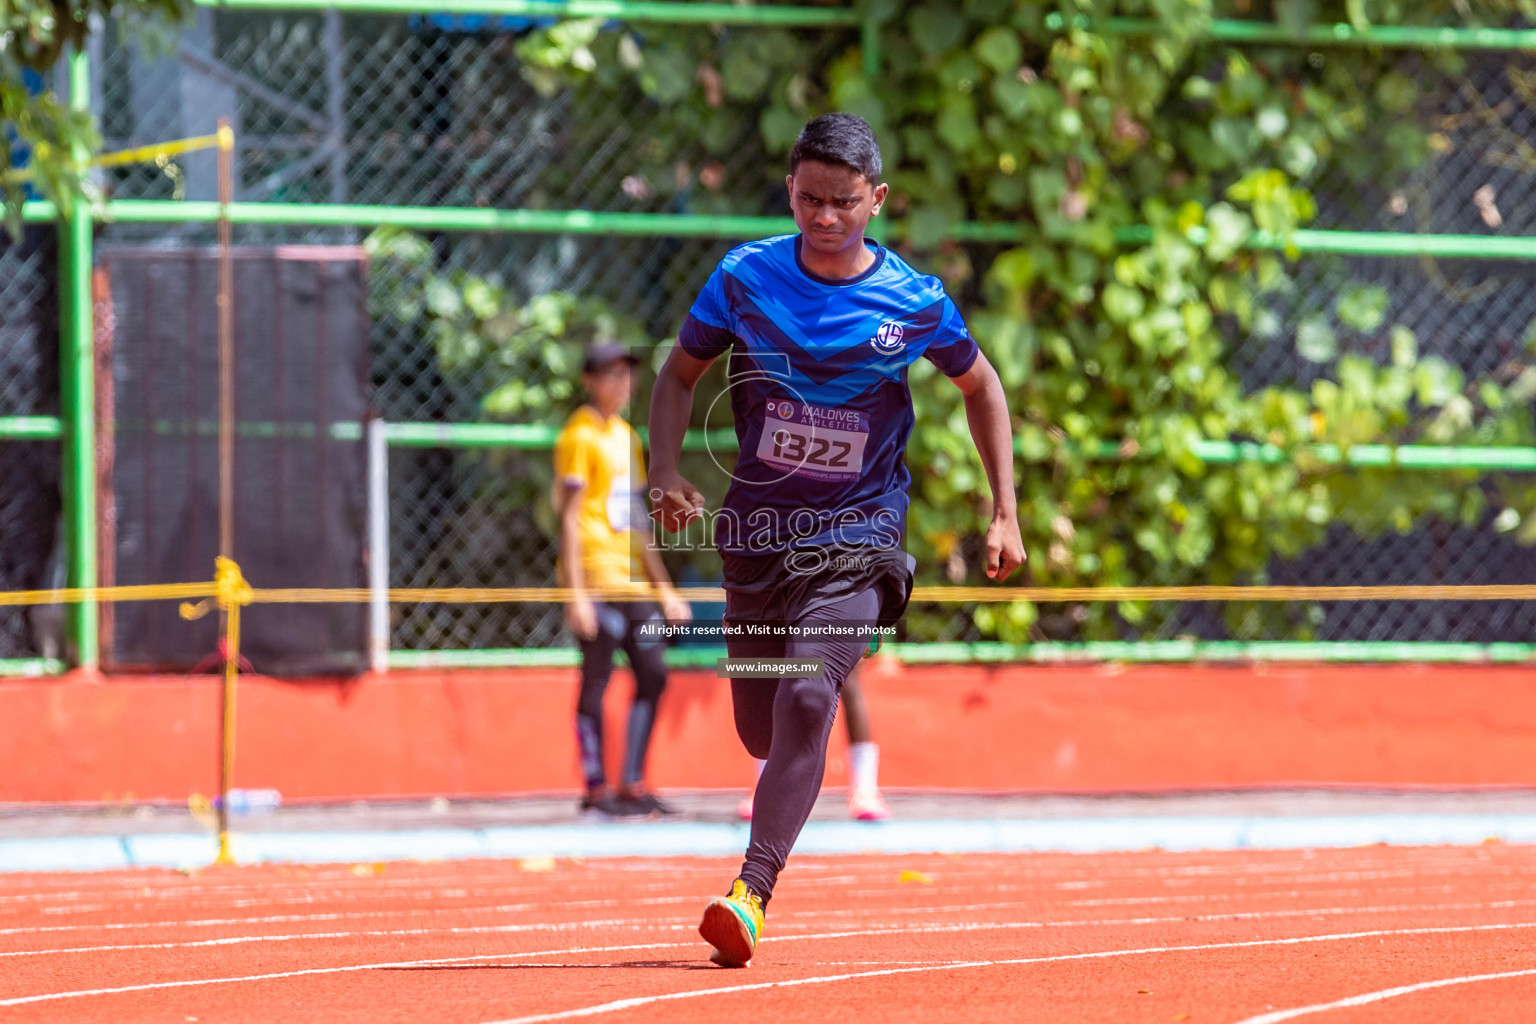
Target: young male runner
column 597, row 455
column 821, row 327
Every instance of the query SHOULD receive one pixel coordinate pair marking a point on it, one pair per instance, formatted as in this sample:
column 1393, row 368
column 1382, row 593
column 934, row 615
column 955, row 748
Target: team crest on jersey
column 888, row 337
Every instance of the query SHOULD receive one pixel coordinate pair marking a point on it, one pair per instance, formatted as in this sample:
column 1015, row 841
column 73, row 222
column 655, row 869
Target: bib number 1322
column 809, row 441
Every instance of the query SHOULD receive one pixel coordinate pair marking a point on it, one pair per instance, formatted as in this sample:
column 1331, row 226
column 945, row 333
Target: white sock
column 863, row 766
column 760, row 765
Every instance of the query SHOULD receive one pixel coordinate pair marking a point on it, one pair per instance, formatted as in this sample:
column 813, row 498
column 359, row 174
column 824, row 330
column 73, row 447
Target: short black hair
column 845, row 139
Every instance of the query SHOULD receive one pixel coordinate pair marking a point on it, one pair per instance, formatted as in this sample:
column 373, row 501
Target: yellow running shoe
column 733, row 924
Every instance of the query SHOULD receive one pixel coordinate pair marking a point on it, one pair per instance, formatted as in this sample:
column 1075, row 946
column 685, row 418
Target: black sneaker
column 651, row 804
column 608, row 805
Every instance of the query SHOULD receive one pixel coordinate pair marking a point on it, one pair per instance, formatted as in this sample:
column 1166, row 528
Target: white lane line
column 320, row 883
column 932, row 929
column 508, row 908
column 491, row 929
column 1244, row 915
column 1376, row 997
column 224, row 981
column 783, row 926
column 135, row 900
column 958, row 867
column 627, row 1004
column 660, row 900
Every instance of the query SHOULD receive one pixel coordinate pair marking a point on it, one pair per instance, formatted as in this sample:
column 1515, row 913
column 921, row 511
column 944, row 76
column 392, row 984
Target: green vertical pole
column 869, row 49
column 77, row 381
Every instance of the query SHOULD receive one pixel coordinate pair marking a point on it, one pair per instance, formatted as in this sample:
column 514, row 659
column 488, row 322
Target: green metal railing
column 686, row 225
column 1371, row 456
column 75, row 426
column 1233, row 30
column 31, row 428
column 639, row 11
column 541, row 437
column 939, row 653
column 1230, row 30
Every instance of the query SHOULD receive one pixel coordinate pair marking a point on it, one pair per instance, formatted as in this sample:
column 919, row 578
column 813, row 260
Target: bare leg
column 855, row 711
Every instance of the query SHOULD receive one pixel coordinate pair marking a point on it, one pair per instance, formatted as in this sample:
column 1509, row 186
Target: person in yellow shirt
column 599, row 479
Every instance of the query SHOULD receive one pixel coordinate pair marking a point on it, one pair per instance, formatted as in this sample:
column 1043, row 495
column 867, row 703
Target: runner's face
column 832, row 204
column 610, row 387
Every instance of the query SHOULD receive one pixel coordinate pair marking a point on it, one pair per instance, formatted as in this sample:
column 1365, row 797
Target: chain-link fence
column 416, row 112
column 1478, row 172
column 435, row 111
column 29, row 386
column 1431, row 551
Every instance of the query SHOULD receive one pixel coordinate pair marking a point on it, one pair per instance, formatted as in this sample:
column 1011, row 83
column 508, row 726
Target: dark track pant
column 786, row 722
column 617, row 624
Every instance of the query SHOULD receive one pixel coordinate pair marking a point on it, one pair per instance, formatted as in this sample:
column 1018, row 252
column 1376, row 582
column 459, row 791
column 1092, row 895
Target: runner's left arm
column 986, row 410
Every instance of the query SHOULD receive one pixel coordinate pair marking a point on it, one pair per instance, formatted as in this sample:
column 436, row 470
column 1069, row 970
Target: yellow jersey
column 605, row 459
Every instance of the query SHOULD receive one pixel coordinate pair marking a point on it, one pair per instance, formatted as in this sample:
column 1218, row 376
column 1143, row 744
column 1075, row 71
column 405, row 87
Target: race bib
column 813, row 441
column 621, row 504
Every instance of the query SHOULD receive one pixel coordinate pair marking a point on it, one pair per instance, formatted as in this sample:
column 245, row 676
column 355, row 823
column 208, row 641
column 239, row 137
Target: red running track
column 1367, row 935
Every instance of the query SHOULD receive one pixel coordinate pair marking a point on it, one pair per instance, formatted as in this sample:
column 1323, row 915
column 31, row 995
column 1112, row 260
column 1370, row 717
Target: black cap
column 605, row 352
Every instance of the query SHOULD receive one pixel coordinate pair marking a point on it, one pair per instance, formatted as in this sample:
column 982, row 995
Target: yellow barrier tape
column 154, row 151
column 936, row 595
column 143, row 592
column 230, row 588
column 140, row 154
column 233, row 593
column 1431, row 592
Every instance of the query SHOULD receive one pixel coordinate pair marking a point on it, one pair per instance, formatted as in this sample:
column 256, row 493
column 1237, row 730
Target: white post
column 378, row 547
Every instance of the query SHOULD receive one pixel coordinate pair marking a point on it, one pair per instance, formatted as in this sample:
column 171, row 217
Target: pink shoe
column 744, row 809
column 867, row 805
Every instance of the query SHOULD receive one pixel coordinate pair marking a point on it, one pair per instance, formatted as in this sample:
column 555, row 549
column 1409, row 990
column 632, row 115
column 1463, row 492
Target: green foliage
column 519, row 355
column 33, row 36
column 985, row 115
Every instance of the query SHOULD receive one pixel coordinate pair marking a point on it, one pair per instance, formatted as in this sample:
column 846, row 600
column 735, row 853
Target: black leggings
column 786, row 722
column 617, row 626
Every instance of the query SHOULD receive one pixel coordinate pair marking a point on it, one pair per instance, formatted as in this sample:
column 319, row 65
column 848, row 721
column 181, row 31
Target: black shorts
column 786, row 586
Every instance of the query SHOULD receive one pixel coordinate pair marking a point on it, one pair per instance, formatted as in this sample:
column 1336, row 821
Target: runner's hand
column 1005, row 548
column 674, row 609
column 582, row 618
column 679, row 504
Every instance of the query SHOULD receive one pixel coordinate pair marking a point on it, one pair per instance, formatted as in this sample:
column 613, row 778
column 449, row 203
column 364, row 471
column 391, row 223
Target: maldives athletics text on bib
column 813, row 441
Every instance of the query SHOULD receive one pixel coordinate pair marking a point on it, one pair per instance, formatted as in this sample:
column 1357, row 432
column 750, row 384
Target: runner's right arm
column 671, row 409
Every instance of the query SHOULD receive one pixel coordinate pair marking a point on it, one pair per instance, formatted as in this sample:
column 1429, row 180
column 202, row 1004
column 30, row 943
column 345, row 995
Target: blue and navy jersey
column 818, row 387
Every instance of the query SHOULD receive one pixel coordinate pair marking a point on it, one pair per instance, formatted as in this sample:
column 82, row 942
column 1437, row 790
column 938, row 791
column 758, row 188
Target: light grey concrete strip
column 718, row 839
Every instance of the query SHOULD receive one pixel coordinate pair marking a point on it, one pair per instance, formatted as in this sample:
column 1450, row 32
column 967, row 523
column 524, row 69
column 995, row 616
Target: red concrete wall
column 1066, row 729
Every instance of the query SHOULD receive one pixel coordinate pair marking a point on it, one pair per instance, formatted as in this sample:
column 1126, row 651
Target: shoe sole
column 724, row 929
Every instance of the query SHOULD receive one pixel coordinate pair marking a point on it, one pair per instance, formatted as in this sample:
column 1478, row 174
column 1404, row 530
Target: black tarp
column 30, row 498
column 300, row 462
